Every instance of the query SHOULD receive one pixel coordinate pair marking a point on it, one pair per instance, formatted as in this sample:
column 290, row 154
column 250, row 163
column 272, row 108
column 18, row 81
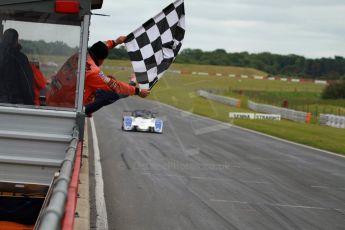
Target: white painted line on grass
column 101, row 209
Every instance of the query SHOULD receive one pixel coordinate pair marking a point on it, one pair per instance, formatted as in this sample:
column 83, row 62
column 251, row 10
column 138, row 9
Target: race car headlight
column 127, row 122
column 158, row 125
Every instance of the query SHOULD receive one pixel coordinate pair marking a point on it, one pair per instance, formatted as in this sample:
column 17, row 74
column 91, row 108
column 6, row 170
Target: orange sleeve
column 117, row 86
column 93, row 81
column 40, row 83
column 121, row 87
column 110, row 43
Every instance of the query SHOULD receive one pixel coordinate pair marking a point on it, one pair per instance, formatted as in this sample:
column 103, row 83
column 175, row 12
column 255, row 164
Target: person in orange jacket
column 62, row 90
column 39, row 81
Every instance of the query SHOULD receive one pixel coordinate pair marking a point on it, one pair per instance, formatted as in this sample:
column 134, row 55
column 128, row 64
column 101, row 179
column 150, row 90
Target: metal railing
column 285, row 113
column 288, row 114
column 52, row 215
column 332, row 120
column 221, row 99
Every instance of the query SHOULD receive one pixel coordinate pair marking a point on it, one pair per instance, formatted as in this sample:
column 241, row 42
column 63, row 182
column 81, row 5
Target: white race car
column 142, row 120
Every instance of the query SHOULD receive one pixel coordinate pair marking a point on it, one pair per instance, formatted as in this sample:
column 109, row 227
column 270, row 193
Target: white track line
column 101, row 209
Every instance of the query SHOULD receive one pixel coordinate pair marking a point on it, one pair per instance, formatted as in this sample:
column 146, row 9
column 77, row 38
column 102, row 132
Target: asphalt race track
column 203, row 174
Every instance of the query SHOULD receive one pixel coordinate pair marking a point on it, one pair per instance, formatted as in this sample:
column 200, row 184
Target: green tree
column 335, row 90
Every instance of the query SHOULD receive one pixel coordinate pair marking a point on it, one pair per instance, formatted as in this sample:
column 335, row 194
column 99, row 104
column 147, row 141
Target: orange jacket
column 6, row 225
column 40, row 82
column 96, row 79
column 61, row 92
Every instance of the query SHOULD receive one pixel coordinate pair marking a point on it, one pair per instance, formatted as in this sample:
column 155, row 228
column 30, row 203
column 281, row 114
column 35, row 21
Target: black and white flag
column 154, row 46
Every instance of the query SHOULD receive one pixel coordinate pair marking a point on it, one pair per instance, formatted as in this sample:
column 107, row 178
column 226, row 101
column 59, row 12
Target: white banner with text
column 256, row 116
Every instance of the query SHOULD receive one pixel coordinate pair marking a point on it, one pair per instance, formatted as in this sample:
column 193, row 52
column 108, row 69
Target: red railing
column 68, row 220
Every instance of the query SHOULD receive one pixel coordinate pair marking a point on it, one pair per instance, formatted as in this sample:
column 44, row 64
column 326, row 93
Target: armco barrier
column 221, row 99
column 332, row 120
column 52, row 215
column 69, row 216
column 288, row 114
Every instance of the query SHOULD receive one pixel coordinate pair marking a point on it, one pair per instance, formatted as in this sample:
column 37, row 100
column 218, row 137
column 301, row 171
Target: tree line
column 274, row 64
column 289, row 65
column 46, row 48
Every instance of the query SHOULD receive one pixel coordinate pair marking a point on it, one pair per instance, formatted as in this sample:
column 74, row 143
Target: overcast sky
column 312, row 28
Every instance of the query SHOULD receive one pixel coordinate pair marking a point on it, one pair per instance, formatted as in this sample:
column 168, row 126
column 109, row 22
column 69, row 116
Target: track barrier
column 332, row 120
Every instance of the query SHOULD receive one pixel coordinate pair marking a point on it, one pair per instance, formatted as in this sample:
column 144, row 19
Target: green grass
column 322, row 137
column 180, row 91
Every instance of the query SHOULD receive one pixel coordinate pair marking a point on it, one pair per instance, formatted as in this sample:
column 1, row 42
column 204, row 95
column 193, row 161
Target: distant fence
column 225, row 74
column 130, row 69
column 288, row 114
column 332, row 120
column 221, row 99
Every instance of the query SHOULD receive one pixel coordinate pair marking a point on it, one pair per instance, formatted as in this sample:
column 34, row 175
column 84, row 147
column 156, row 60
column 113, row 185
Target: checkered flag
column 154, row 46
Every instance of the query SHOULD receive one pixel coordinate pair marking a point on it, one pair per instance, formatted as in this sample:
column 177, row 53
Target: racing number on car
column 158, row 124
column 128, row 122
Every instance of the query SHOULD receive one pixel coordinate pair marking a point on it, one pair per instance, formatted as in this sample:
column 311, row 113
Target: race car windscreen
column 37, row 62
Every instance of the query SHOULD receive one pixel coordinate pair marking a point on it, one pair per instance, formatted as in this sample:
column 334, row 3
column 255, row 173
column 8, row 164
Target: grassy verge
column 321, row 137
